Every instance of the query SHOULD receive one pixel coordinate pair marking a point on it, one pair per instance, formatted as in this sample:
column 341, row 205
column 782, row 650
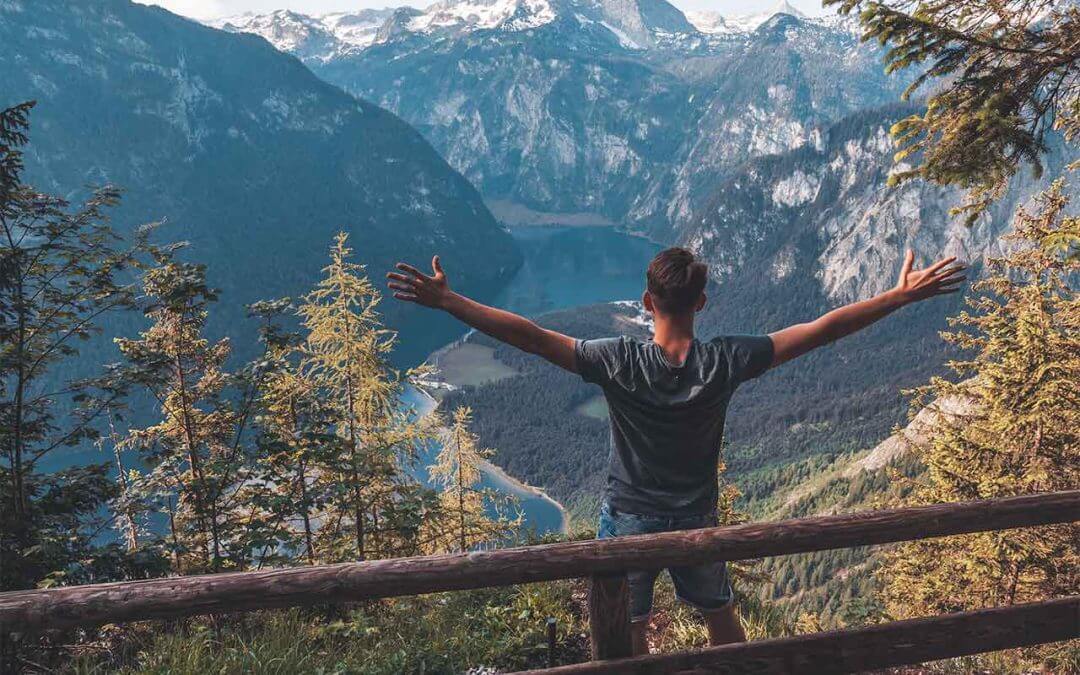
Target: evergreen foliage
column 1004, row 74
column 1009, row 424
column 373, row 509
column 62, row 271
column 464, row 503
column 296, row 436
column 194, row 452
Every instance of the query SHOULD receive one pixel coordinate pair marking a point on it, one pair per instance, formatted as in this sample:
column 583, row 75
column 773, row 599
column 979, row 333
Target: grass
column 500, row 629
column 471, row 365
column 482, row 631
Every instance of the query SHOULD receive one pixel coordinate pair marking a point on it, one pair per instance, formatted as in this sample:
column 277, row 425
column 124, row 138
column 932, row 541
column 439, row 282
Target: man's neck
column 674, row 335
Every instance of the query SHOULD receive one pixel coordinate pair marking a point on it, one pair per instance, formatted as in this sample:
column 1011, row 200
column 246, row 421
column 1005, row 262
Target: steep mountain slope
column 247, row 154
column 614, row 111
column 789, row 80
column 824, row 217
column 714, row 22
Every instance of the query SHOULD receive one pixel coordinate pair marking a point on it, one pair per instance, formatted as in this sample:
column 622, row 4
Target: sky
column 208, row 9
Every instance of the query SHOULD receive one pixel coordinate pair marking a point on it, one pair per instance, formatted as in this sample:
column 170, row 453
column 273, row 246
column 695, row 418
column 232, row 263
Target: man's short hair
column 676, row 280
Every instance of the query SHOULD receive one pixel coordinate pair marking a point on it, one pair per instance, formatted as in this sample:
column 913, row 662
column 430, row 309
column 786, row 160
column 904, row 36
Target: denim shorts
column 703, row 586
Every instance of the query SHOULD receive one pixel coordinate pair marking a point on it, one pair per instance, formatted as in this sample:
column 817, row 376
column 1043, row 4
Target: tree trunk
column 175, row 538
column 193, row 456
column 17, row 479
column 129, row 517
column 305, row 513
column 358, row 506
column 461, row 503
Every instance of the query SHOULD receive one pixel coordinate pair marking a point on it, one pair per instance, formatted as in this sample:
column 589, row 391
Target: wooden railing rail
column 243, row 591
column 871, row 648
column 604, row 562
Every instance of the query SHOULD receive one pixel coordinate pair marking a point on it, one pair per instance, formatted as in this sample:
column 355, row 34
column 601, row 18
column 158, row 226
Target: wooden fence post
column 609, row 616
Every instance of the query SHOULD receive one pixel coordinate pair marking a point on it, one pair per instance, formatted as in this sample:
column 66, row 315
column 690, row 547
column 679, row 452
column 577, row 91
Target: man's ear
column 701, row 303
column 646, row 300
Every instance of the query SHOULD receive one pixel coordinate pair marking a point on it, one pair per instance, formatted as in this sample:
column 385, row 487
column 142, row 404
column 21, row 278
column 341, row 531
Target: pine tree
column 346, row 352
column 1003, row 73
column 61, row 272
column 297, row 439
column 457, row 472
column 197, row 460
column 1010, row 425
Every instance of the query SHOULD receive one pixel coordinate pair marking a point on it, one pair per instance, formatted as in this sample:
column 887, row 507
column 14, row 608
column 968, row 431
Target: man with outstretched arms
column 667, row 399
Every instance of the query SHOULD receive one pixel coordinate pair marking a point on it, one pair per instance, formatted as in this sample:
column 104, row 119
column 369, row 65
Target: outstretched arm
column 939, row 279
column 412, row 285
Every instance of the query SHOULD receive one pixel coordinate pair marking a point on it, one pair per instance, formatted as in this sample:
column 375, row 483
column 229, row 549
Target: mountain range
column 593, row 111
column 246, row 153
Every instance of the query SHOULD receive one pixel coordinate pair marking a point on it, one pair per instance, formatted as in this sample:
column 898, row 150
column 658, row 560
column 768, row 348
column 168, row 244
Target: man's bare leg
column 639, row 631
column 724, row 626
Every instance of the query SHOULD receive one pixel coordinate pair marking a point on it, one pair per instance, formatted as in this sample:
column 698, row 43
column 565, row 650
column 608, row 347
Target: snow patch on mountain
column 708, row 22
column 321, row 38
column 796, row 189
column 624, row 40
column 483, row 14
column 715, row 23
column 356, row 29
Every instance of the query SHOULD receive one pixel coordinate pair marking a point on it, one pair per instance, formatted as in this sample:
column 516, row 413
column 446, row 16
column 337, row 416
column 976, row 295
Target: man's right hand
column 412, row 285
column 941, row 278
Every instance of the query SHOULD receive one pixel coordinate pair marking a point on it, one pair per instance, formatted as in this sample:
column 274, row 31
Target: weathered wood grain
column 243, row 591
column 851, row 651
column 609, row 616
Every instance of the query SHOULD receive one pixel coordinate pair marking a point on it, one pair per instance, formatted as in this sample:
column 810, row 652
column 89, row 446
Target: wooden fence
column 604, row 563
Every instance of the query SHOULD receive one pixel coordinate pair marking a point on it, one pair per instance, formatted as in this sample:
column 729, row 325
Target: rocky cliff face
column 786, row 82
column 615, row 110
column 823, row 215
column 241, row 148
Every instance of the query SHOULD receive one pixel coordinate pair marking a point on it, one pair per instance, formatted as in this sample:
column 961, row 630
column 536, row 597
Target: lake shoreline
column 498, row 475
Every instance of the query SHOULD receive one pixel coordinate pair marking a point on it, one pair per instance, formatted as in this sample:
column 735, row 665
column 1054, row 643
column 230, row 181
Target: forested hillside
column 243, row 151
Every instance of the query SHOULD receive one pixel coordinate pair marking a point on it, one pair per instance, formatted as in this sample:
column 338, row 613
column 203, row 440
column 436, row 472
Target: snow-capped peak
column 715, row 23
column 635, row 24
column 310, row 37
column 357, row 29
column 483, row 14
column 785, row 7
column 708, row 22
column 285, row 29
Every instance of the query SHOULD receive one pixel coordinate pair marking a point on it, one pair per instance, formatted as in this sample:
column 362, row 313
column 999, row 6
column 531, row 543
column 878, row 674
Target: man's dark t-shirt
column 667, row 421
